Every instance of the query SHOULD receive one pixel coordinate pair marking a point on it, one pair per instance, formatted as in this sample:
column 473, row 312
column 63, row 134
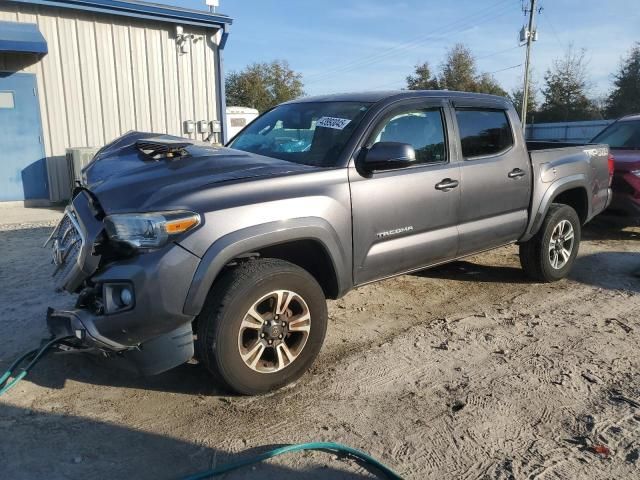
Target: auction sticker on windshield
column 333, row 122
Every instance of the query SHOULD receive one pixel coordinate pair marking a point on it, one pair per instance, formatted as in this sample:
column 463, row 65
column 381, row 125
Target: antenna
column 213, row 5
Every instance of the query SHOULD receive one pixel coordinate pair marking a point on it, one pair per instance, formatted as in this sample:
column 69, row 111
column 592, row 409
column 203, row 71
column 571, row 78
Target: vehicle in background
column 238, row 118
column 623, row 138
column 174, row 246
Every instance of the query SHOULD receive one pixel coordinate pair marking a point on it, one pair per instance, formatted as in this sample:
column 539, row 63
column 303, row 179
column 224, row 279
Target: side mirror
column 388, row 156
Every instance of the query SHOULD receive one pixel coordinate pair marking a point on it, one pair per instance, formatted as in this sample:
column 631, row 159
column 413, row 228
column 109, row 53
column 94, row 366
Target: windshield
column 621, row 135
column 313, row 133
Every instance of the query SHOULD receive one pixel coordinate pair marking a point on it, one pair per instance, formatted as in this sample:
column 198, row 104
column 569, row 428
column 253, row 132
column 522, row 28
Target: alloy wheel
column 561, row 244
column 274, row 331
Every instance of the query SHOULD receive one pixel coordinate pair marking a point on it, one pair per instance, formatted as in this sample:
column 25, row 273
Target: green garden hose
column 325, row 446
column 33, row 357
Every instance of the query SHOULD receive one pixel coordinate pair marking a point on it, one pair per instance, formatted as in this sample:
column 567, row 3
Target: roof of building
column 138, row 9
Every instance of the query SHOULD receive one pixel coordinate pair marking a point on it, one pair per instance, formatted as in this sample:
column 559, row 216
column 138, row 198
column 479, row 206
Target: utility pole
column 530, row 35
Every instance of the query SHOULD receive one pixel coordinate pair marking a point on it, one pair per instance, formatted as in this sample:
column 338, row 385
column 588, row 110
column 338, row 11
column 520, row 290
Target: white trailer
column 238, row 118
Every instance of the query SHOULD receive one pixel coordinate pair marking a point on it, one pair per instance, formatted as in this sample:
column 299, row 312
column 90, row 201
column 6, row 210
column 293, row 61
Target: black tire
column 535, row 253
column 219, row 323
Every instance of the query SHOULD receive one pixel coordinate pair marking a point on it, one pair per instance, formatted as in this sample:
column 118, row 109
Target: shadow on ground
column 58, row 368
column 609, row 270
column 474, row 272
column 58, row 445
column 601, row 228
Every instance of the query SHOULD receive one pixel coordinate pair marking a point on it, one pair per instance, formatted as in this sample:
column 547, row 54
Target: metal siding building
column 566, row 131
column 112, row 66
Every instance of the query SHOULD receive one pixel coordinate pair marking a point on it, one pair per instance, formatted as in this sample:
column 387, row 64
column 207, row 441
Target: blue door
column 23, row 171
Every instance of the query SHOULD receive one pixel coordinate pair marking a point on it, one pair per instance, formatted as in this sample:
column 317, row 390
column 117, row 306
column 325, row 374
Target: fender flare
column 253, row 238
column 555, row 189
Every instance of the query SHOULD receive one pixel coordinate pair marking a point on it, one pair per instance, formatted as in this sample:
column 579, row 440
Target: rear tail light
column 611, row 162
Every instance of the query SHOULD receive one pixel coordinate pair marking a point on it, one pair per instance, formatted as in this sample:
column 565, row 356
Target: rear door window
column 483, row 132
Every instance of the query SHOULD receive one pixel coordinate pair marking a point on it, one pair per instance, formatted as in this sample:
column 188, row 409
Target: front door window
column 422, row 129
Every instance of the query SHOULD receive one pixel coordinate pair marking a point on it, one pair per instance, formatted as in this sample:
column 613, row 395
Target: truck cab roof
column 378, row 96
column 632, row 117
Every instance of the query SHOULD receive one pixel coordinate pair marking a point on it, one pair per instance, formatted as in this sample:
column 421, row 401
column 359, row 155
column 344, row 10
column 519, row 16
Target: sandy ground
column 466, row 371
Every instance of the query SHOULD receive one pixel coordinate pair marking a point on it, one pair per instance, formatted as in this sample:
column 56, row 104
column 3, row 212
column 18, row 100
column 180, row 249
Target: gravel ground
column 465, row 371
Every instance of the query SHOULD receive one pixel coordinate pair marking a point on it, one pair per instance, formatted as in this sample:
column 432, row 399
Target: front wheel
column 551, row 253
column 262, row 326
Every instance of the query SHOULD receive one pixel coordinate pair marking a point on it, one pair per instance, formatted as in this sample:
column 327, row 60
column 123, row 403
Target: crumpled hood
column 125, row 179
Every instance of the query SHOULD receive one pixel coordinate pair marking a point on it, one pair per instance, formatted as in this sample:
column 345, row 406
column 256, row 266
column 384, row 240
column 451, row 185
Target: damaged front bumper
column 150, row 358
column 151, row 330
column 77, row 323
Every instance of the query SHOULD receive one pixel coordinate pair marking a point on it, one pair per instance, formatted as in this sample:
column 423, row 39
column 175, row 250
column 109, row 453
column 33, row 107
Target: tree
column 600, row 105
column 458, row 72
column 625, row 96
column 487, row 84
column 422, row 78
column 263, row 85
column 532, row 101
column 566, row 89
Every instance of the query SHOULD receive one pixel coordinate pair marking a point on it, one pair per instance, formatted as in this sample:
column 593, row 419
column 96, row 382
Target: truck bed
column 558, row 166
column 546, row 145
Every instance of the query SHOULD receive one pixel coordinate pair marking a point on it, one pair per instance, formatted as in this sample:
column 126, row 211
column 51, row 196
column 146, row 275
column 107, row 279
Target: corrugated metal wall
column 566, row 131
column 105, row 75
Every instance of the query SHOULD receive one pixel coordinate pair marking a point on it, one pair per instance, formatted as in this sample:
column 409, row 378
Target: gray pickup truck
column 180, row 249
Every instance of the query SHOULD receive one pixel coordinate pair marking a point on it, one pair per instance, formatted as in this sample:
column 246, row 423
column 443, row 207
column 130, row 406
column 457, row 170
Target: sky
column 355, row 45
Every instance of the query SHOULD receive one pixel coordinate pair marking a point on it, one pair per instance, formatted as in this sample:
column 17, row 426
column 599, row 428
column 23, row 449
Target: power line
column 386, row 85
column 498, row 52
column 484, row 15
column 504, row 69
column 395, row 82
column 475, row 18
column 553, row 30
column 400, row 48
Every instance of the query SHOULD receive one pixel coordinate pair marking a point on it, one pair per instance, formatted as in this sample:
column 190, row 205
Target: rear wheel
column 262, row 326
column 551, row 253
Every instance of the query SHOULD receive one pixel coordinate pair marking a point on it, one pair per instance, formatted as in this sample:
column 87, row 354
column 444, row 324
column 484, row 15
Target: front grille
column 66, row 243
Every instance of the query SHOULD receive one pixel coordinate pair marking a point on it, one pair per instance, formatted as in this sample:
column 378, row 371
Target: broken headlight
column 149, row 230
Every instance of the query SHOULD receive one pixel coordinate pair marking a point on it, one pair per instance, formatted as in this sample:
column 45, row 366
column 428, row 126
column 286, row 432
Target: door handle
column 516, row 173
column 447, row 184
